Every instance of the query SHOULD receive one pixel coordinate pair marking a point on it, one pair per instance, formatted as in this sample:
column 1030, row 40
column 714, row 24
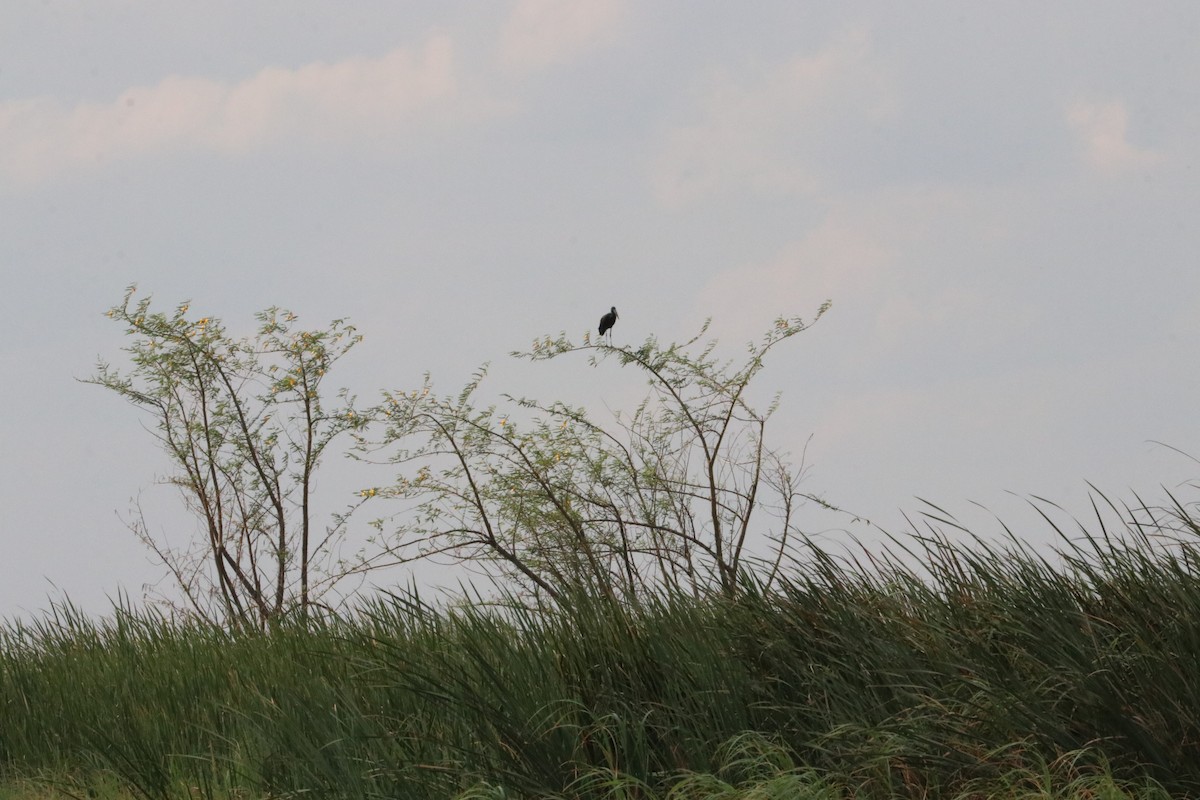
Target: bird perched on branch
column 607, row 321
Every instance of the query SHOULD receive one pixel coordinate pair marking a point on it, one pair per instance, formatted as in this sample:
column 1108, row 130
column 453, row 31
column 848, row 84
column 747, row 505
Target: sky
column 1001, row 201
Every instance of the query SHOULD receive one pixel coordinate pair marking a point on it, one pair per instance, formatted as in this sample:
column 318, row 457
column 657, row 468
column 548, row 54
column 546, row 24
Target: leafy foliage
column 646, row 647
column 669, row 496
column 245, row 425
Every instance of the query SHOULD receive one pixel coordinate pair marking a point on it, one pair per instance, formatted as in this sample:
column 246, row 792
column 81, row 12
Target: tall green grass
column 942, row 665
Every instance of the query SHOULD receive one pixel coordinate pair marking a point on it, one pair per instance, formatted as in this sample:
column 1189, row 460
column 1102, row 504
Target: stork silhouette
column 607, row 321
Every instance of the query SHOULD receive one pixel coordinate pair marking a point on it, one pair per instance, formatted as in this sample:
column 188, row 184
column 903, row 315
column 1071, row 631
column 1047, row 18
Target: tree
column 245, row 425
column 670, row 495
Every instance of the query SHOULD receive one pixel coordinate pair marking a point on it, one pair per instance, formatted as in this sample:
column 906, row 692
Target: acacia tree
column 244, row 424
column 669, row 495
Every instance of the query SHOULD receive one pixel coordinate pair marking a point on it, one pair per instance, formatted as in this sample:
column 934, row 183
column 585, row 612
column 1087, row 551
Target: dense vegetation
column 959, row 668
column 661, row 626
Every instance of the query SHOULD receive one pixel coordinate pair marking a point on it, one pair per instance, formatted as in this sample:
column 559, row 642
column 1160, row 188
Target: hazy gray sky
column 1002, row 201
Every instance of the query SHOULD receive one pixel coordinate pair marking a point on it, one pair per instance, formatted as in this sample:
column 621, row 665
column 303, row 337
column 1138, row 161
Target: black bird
column 608, row 320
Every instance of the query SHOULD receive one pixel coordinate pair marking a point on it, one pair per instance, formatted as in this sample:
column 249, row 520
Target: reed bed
column 944, row 666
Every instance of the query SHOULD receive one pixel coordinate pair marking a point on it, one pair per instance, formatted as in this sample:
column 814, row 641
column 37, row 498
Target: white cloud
column 1103, row 130
column 345, row 100
column 910, row 277
column 769, row 131
column 540, row 33
column 836, row 257
column 866, row 249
